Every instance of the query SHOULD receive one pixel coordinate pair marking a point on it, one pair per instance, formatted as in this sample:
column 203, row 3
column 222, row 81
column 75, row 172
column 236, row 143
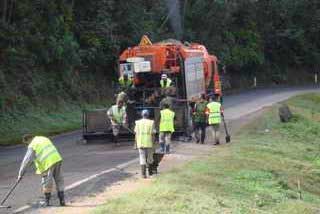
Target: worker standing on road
column 199, row 119
column 144, row 136
column 48, row 163
column 125, row 82
column 165, row 82
column 214, row 117
column 118, row 117
column 166, row 128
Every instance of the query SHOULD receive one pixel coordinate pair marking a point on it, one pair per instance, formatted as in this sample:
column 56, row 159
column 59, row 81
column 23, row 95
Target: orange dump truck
column 173, row 58
column 191, row 68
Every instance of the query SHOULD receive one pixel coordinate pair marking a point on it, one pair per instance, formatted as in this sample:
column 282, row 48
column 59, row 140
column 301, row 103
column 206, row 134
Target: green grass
column 40, row 121
column 259, row 172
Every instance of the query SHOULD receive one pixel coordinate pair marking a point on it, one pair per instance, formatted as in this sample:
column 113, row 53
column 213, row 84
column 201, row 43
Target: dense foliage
column 67, row 50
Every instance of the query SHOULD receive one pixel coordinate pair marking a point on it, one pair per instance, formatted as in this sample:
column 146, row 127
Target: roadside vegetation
column 66, row 52
column 42, row 121
column 270, row 167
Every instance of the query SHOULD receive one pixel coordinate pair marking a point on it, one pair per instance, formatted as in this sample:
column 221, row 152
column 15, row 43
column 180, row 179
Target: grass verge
column 270, row 168
column 40, row 121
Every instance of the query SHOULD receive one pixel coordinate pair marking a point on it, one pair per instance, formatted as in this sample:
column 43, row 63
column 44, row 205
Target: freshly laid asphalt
column 84, row 160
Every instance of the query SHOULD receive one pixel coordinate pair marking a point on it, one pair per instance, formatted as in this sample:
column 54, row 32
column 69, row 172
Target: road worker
column 214, row 113
column 125, row 82
column 122, row 96
column 166, row 128
column 118, row 117
column 48, row 163
column 199, row 119
column 144, row 137
column 165, row 82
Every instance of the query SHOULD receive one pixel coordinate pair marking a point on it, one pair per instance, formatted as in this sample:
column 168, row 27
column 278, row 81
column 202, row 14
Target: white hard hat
column 145, row 113
column 163, row 76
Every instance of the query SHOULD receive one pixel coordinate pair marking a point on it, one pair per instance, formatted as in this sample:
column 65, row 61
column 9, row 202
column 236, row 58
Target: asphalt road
column 99, row 161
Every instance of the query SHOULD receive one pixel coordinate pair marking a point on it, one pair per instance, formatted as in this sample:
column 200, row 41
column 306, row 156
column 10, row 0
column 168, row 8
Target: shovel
column 8, row 194
column 128, row 129
column 228, row 138
column 131, row 132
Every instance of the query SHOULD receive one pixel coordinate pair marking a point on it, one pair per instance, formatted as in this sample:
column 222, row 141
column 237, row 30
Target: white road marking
column 21, row 209
column 78, row 183
column 119, row 167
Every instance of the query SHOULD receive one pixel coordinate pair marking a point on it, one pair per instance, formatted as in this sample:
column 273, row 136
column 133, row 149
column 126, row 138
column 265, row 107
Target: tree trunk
column 10, row 14
column 4, row 10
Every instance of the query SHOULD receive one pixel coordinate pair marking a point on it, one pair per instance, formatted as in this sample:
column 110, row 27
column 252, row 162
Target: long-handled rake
column 8, row 194
column 228, row 137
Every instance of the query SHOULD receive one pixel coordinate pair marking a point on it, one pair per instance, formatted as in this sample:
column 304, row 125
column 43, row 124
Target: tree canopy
column 68, row 46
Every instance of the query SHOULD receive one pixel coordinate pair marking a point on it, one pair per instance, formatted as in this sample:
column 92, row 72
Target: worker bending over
column 118, row 117
column 165, row 82
column 214, row 117
column 48, row 163
column 166, row 128
column 144, row 136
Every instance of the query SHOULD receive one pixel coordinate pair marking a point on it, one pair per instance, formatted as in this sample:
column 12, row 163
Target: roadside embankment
column 270, row 167
column 41, row 121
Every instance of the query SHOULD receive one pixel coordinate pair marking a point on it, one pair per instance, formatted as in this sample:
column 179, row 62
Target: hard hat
column 145, row 113
column 26, row 137
column 163, row 76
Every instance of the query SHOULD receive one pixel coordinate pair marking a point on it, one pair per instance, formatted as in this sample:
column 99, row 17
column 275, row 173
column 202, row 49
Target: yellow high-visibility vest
column 144, row 131
column 168, row 83
column 124, row 83
column 166, row 120
column 214, row 113
column 118, row 113
column 46, row 153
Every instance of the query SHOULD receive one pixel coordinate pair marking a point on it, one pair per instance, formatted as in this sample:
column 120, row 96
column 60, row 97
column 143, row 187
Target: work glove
column 113, row 122
column 19, row 177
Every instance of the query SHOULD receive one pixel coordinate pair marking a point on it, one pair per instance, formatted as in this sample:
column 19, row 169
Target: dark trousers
column 200, row 131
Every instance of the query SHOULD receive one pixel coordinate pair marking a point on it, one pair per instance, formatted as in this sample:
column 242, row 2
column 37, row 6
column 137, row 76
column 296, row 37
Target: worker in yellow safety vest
column 48, row 163
column 118, row 117
column 165, row 82
column 166, row 128
column 214, row 112
column 144, row 136
column 125, row 82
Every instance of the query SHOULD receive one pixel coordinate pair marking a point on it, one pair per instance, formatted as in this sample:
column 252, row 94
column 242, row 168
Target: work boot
column 197, row 140
column 47, row 197
column 154, row 170
column 116, row 140
column 167, row 149
column 143, row 171
column 150, row 170
column 162, row 147
column 61, row 198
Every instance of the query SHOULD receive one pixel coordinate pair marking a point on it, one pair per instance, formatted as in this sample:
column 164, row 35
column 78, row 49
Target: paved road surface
column 83, row 161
